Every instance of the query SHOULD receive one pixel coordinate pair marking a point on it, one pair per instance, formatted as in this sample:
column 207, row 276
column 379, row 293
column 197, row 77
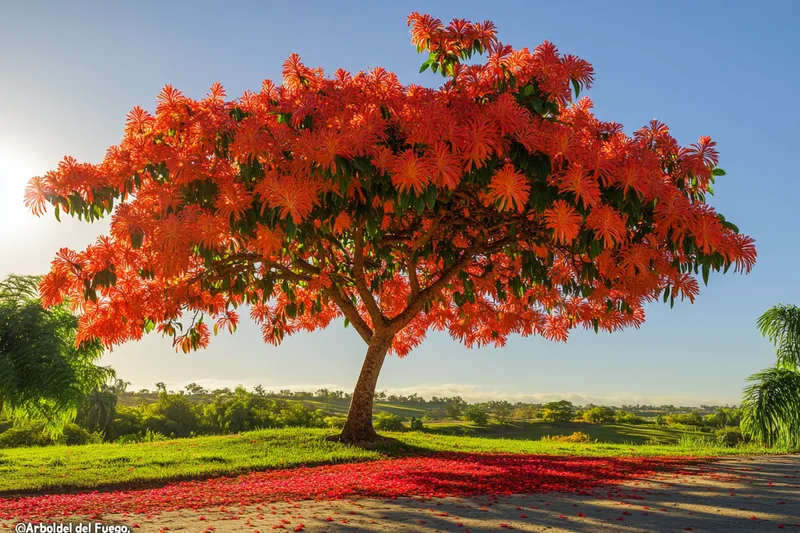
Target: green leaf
column 137, row 236
column 425, row 66
column 718, row 172
column 577, row 86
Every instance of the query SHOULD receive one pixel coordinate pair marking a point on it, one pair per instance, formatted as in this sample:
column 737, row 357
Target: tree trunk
column 358, row 427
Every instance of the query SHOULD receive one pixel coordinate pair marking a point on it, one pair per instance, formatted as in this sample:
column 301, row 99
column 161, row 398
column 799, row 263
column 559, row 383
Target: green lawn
column 114, row 465
column 613, row 433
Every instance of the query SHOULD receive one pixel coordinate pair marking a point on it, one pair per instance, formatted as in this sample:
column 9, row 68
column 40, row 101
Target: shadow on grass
column 609, row 433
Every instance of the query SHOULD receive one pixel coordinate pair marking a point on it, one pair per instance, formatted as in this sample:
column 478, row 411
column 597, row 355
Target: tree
column 599, row 415
column 477, row 414
column 194, row 388
column 496, row 204
column 500, row 411
column 561, row 411
column 453, row 410
column 44, row 374
column 771, row 405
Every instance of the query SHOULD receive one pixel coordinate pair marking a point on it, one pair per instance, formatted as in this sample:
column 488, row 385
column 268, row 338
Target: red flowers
column 498, row 194
column 440, row 475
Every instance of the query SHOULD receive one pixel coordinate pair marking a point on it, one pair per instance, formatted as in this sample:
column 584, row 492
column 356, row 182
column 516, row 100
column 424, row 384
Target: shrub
column 389, row 422
column 577, row 436
column 624, row 417
column 477, row 415
column 33, row 434
column 729, row 436
column 417, row 425
column 336, row 422
column 24, row 435
column 76, row 435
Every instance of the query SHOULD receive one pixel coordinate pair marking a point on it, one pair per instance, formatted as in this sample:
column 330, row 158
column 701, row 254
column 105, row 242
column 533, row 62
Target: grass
column 97, row 466
column 612, row 433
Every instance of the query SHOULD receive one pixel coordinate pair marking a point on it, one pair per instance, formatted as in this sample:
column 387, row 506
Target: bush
column 729, row 436
column 417, row 425
column 578, row 436
column 33, row 434
column 24, row 435
column 624, row 417
column 389, row 422
column 336, row 422
column 75, row 435
column 689, row 419
column 477, row 415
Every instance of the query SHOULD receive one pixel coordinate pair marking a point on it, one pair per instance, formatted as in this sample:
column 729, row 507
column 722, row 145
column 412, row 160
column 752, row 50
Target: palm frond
column 781, row 325
column 772, row 407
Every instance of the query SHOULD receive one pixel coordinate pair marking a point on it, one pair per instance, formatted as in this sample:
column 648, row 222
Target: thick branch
column 337, row 294
column 351, row 313
column 378, row 318
column 413, row 280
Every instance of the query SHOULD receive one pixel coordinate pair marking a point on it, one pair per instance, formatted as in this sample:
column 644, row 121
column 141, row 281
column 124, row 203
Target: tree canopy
column 495, row 204
column 43, row 374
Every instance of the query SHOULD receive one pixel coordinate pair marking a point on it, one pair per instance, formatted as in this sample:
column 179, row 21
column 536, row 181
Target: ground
column 721, row 495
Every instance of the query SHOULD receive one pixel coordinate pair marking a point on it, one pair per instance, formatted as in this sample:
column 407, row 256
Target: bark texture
column 358, row 427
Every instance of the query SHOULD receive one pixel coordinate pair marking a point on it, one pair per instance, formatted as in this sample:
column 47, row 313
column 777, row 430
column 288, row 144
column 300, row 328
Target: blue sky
column 69, row 74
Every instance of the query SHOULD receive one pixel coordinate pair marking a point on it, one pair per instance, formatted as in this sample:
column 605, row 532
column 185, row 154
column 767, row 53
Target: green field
column 116, row 465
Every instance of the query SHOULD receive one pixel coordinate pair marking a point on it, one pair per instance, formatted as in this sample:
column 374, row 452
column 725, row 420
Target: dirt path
column 728, row 495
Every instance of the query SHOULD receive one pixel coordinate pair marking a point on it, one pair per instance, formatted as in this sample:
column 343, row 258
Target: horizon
column 468, row 393
column 77, row 76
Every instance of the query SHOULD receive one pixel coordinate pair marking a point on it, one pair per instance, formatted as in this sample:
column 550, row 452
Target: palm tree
column 101, row 407
column 771, row 404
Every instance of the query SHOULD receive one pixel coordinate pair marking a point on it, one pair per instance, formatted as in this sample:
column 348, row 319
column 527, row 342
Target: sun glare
column 15, row 171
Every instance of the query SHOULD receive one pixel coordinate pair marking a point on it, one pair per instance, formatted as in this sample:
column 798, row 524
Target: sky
column 70, row 73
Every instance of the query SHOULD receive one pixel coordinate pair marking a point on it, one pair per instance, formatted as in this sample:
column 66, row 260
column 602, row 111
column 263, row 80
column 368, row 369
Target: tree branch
column 416, row 305
column 378, row 318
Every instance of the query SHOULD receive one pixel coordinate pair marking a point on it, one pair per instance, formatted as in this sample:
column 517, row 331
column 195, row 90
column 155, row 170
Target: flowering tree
column 495, row 204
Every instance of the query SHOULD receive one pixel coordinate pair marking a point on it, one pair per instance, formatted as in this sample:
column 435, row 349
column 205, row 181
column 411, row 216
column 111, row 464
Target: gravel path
column 727, row 495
